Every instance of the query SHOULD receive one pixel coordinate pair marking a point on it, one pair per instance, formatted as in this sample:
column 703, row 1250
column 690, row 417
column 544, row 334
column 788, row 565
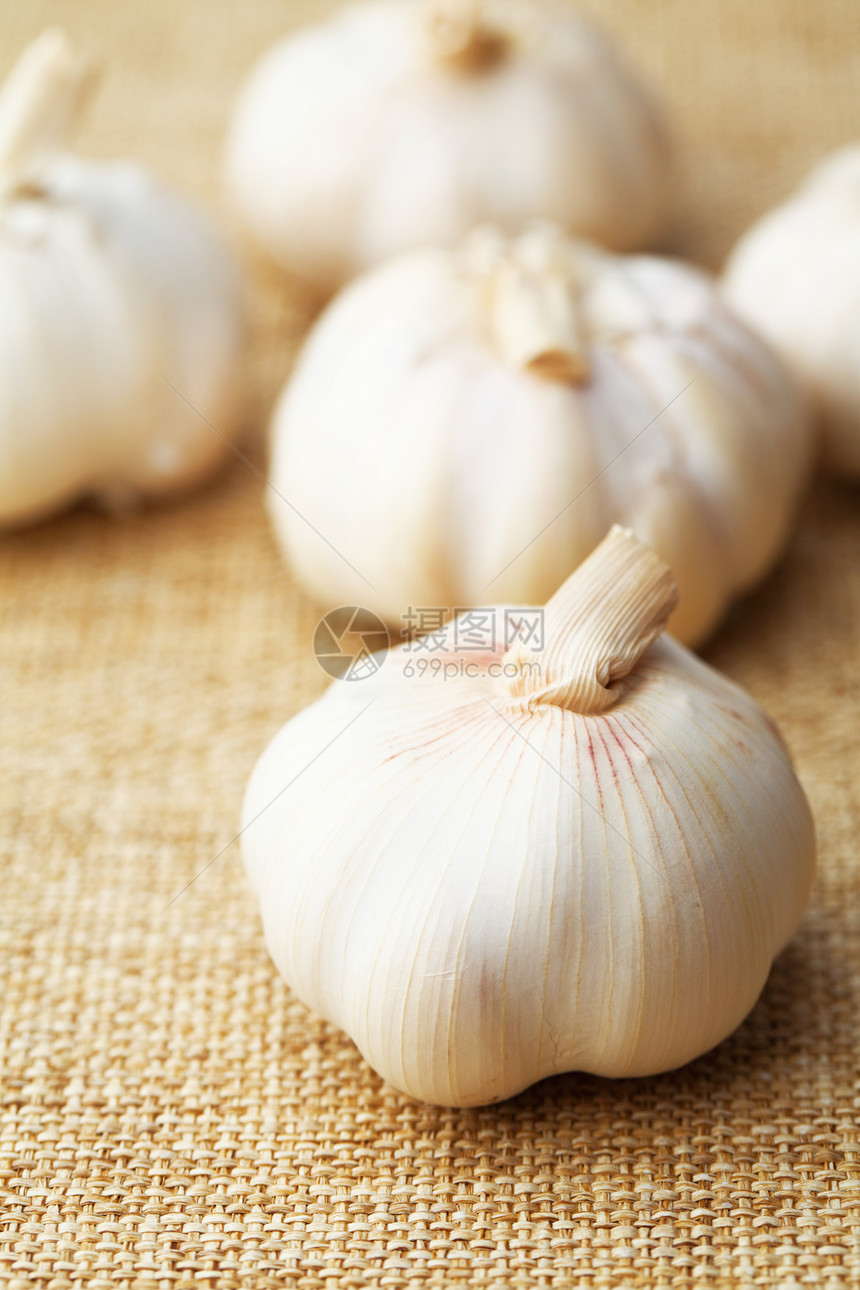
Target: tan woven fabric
column 169, row 1116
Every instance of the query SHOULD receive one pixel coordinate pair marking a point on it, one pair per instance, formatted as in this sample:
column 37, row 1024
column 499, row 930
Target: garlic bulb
column 796, row 276
column 114, row 290
column 508, row 865
column 465, row 426
column 404, row 123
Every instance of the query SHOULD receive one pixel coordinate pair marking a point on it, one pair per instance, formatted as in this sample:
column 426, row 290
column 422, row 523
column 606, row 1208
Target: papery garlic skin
column 365, row 135
column 795, row 275
column 484, row 887
column 121, row 324
column 425, row 438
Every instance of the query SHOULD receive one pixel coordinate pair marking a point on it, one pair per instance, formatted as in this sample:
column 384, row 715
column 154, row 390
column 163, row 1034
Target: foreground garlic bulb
column 507, row 865
column 465, row 426
column 796, row 276
column 113, row 290
column 404, row 123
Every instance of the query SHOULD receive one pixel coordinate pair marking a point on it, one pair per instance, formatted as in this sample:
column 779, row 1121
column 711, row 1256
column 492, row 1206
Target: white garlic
column 114, row 291
column 795, row 275
column 465, row 426
column 515, row 864
column 404, row 123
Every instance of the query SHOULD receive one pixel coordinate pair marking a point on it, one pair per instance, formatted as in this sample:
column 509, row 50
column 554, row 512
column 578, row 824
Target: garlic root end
column 598, row 625
column 536, row 317
column 461, row 37
column 39, row 102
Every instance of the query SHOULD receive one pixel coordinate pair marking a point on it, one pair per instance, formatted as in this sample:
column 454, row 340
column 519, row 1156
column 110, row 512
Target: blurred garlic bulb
column 508, row 865
column 403, row 123
column 465, row 426
column 796, row 276
column 112, row 287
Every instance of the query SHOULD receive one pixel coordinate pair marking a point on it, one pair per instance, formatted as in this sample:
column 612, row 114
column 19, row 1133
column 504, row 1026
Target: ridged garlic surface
column 795, row 275
column 114, row 290
column 466, row 425
column 403, row 123
column 576, row 857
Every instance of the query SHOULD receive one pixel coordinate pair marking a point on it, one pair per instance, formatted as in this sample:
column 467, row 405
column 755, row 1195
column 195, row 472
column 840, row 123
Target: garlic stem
column 38, row 103
column 598, row 625
column 461, row 36
column 537, row 322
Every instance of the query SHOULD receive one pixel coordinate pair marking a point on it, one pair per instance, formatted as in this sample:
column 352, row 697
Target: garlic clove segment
column 795, row 276
column 527, row 861
column 467, row 424
column 403, row 123
column 121, row 319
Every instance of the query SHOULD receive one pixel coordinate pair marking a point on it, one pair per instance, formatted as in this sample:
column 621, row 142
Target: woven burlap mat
column 170, row 1116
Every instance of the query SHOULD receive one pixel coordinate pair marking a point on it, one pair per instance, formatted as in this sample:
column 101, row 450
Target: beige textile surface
column 169, row 1115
